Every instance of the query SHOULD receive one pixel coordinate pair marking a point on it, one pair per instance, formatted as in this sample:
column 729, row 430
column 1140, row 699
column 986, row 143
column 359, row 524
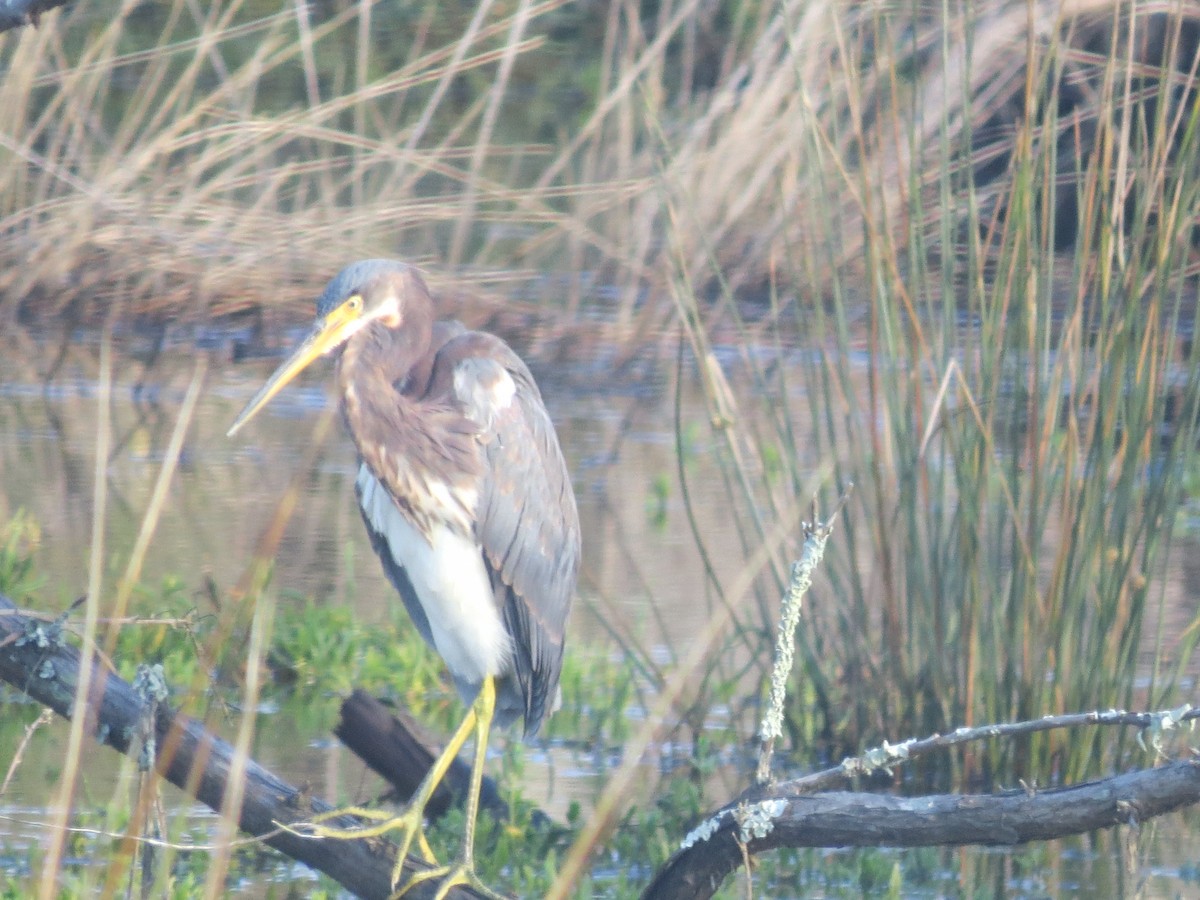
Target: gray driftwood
column 36, row 659
column 396, row 746
column 840, row 819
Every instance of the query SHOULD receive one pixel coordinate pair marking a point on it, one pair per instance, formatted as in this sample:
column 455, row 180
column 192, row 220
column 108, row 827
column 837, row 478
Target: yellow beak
column 327, row 334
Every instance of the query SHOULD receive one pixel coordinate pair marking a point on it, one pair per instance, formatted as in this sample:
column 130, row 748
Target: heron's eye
column 354, row 304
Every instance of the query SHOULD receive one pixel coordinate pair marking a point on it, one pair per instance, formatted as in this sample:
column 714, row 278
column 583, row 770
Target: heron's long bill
column 327, row 333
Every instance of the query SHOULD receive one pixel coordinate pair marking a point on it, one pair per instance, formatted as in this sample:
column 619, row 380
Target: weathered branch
column 15, row 13
column 816, row 534
column 35, row 658
column 1154, row 724
column 396, row 747
column 789, row 815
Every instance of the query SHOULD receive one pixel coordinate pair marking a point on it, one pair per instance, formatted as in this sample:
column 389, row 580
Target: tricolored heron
column 467, row 500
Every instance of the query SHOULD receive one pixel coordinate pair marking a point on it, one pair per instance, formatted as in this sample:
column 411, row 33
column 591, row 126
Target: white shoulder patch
column 485, row 388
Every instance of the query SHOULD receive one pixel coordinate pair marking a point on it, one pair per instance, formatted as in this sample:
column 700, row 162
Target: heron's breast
column 446, row 568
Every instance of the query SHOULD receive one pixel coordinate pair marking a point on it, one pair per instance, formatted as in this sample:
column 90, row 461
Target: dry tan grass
column 195, row 200
column 184, row 194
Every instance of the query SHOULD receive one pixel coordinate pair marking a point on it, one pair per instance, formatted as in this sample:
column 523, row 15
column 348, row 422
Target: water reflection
column 226, row 489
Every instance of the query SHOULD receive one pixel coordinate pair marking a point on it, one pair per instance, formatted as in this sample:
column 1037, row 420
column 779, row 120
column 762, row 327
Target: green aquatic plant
column 19, row 539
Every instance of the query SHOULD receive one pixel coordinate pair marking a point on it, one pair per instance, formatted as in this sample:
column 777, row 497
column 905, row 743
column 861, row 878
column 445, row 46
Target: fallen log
column 36, row 659
column 789, row 815
column 395, row 746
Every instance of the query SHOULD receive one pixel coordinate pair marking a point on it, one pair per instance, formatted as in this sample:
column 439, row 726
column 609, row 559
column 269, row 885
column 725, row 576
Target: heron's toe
column 460, row 874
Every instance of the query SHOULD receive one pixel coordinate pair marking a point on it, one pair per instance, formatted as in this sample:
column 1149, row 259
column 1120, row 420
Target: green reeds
column 1008, row 375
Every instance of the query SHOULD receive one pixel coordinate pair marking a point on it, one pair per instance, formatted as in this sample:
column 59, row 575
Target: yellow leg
column 411, row 821
column 463, row 871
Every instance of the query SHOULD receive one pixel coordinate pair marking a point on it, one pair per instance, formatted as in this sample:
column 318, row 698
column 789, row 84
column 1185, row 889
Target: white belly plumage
column 449, row 577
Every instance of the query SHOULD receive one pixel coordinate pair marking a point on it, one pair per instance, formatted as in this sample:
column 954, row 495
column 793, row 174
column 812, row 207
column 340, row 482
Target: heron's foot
column 460, row 874
column 411, row 822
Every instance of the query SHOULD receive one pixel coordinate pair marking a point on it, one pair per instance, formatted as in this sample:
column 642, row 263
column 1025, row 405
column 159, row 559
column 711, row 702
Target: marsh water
column 226, row 493
column 641, row 567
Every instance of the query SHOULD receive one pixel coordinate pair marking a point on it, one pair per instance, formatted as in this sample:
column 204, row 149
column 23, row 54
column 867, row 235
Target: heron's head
column 368, row 291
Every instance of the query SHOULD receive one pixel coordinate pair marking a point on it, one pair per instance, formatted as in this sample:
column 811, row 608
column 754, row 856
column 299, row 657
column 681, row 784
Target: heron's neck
column 410, row 444
column 371, row 373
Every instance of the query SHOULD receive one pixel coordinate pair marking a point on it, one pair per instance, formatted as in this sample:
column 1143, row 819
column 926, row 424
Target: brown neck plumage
column 410, row 444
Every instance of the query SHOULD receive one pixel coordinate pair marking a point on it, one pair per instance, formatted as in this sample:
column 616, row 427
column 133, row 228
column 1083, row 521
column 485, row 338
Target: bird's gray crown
column 356, row 277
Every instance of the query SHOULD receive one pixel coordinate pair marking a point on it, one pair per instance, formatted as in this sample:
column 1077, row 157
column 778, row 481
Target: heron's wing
column 526, row 520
